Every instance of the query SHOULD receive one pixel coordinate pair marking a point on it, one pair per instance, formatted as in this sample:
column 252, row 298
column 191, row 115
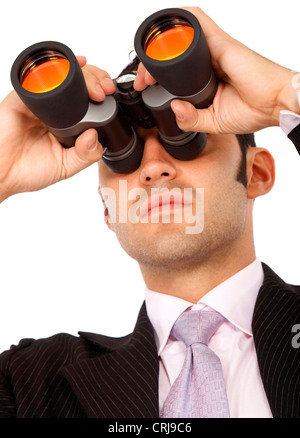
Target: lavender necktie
column 199, row 390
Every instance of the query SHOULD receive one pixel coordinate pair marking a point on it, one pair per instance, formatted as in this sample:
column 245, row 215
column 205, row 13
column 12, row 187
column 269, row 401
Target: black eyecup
column 63, row 106
column 188, row 151
column 129, row 164
column 185, row 74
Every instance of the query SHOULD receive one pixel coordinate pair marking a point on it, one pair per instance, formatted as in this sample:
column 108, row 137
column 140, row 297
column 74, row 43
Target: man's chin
column 162, row 245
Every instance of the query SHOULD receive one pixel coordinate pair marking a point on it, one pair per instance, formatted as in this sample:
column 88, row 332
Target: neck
column 194, row 281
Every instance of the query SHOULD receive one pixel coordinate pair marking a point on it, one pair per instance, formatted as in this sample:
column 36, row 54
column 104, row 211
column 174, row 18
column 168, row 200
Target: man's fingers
column 190, row 119
column 210, row 28
column 87, row 150
column 95, row 90
column 143, row 78
column 98, row 82
column 102, row 77
column 81, row 60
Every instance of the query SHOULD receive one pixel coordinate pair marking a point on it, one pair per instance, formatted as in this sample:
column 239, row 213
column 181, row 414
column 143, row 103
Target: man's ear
column 260, row 172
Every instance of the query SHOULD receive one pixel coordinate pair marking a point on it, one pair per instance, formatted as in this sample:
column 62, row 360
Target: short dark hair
column 245, row 141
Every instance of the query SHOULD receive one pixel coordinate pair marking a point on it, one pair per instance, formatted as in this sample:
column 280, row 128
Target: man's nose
column 157, row 166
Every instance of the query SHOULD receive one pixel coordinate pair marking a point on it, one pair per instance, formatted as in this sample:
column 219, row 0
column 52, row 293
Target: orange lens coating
column 47, row 75
column 169, row 44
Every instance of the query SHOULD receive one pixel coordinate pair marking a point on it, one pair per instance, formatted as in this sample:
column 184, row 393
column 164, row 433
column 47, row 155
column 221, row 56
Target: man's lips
column 163, row 202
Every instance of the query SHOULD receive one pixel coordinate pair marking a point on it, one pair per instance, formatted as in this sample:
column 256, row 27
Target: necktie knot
column 197, row 326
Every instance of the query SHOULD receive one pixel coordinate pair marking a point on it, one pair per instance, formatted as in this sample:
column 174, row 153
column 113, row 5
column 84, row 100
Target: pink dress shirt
column 233, row 342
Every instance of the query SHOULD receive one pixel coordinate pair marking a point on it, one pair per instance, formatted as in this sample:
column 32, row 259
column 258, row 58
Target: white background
column 61, row 270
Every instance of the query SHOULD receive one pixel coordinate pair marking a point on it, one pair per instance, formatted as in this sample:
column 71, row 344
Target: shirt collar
column 234, row 298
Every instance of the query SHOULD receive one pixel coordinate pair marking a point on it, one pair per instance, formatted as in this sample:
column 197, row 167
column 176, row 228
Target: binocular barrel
column 49, row 80
column 171, row 45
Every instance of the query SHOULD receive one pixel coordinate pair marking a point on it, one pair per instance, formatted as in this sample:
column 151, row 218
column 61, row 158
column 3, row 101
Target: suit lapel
column 277, row 310
column 121, row 380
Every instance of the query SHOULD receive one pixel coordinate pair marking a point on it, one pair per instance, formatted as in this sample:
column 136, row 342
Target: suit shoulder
column 295, row 289
column 63, row 348
column 32, row 382
column 274, row 283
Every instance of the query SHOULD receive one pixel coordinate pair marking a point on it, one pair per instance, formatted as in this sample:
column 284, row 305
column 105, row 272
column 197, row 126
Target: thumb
column 191, row 119
column 87, row 150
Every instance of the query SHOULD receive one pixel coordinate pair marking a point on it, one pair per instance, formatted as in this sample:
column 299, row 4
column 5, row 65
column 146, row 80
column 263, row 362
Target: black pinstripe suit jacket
column 97, row 376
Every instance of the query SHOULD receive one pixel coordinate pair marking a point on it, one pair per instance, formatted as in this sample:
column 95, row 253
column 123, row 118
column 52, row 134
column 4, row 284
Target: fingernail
column 107, row 82
column 137, row 77
column 92, row 146
column 99, row 90
column 137, row 82
column 176, row 107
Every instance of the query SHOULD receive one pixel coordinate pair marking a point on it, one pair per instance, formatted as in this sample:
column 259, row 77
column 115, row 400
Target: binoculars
column 171, row 45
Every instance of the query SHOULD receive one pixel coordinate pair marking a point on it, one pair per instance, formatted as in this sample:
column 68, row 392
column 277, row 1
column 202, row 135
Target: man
column 96, row 376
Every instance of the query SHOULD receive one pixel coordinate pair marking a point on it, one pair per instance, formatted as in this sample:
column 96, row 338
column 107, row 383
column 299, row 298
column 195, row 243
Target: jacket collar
column 121, row 380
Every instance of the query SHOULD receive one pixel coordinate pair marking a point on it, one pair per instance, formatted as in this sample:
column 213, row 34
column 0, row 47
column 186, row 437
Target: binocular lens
column 44, row 71
column 168, row 39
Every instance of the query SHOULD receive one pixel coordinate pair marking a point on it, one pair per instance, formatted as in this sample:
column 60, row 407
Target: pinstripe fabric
column 89, row 376
column 96, row 376
column 31, row 374
column 128, row 376
column 277, row 311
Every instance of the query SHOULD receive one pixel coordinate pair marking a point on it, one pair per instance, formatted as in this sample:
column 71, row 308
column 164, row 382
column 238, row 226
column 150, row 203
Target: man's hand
column 30, row 157
column 251, row 93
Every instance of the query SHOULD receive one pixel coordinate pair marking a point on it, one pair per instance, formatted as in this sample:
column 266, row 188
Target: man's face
column 157, row 241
